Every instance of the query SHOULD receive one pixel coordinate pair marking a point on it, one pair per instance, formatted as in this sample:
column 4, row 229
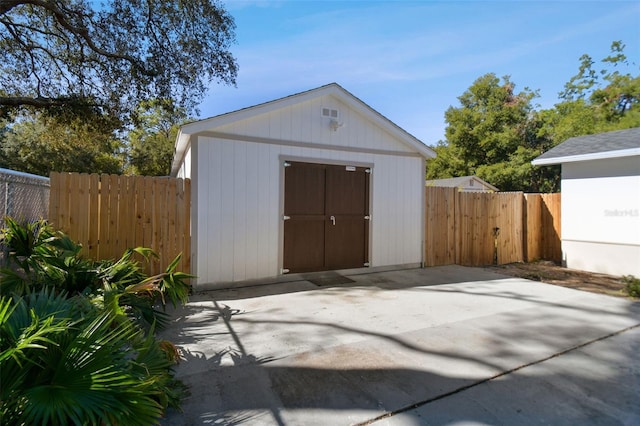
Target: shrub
column 632, row 285
column 40, row 257
column 77, row 336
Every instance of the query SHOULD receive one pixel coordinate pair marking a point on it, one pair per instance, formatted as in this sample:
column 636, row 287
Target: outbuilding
column 600, row 187
column 463, row 184
column 316, row 181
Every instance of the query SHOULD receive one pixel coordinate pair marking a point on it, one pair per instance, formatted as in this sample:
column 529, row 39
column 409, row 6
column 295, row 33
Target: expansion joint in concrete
column 488, row 379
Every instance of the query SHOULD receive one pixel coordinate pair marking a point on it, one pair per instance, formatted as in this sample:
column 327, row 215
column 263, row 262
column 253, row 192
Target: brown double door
column 326, row 210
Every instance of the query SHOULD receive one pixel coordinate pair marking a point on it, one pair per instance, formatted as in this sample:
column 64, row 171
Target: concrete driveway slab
column 597, row 384
column 387, row 347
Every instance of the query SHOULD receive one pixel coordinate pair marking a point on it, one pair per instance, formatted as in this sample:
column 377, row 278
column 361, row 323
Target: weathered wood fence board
column 108, row 214
column 471, row 228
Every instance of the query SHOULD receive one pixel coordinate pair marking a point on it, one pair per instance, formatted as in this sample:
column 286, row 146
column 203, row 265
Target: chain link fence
column 24, row 197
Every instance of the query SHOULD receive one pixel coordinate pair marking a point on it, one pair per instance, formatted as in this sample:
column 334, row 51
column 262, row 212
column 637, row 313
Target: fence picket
column 147, row 239
column 138, row 209
column 186, row 227
column 104, row 239
column 440, row 230
column 532, row 246
column 172, row 220
column 81, row 217
column 551, row 230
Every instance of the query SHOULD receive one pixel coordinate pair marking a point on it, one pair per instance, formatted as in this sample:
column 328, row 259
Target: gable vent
column 328, row 112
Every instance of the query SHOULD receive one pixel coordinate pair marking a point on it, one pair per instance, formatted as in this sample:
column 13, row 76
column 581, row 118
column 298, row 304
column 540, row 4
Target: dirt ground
column 549, row 272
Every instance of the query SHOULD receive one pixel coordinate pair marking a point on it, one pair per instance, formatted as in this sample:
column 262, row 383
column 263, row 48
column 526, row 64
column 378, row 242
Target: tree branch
column 81, row 32
column 39, row 102
column 9, row 24
column 7, row 5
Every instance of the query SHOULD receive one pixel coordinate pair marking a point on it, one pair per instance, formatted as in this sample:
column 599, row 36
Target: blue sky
column 410, row 60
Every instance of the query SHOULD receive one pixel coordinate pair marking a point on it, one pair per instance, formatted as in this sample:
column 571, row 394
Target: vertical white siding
column 397, row 210
column 225, row 224
column 239, row 223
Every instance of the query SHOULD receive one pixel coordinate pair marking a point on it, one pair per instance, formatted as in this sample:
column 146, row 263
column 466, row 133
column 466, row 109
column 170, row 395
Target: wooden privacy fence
column 474, row 229
column 108, row 214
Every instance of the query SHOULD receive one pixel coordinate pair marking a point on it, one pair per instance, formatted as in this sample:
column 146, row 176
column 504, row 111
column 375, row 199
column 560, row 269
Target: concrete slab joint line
column 488, row 379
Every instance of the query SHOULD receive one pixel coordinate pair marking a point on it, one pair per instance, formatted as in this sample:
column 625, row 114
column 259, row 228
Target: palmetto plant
column 40, row 257
column 77, row 343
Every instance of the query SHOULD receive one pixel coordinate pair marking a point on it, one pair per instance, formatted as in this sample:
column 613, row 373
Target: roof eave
column 182, row 142
column 586, row 157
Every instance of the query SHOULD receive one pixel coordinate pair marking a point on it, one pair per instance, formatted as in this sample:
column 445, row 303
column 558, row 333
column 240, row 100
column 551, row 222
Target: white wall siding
column 303, row 122
column 612, row 259
column 601, row 215
column 239, row 219
column 601, row 200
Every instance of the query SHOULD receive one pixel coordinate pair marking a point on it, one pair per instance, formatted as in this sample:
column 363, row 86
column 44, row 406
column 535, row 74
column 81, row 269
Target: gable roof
column 187, row 130
column 620, row 143
column 460, row 181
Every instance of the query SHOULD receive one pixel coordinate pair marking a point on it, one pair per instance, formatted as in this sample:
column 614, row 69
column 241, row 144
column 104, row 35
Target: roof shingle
column 592, row 145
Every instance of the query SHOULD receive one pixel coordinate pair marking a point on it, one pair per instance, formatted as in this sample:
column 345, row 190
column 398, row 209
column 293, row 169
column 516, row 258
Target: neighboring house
column 600, row 190
column 464, row 184
column 315, row 181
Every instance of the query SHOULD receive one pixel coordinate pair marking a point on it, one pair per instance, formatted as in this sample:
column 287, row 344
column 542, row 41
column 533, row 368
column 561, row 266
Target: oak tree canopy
column 70, row 55
column 495, row 132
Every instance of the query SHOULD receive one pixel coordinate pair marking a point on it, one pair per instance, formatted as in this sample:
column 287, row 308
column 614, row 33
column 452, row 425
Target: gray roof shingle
column 592, row 144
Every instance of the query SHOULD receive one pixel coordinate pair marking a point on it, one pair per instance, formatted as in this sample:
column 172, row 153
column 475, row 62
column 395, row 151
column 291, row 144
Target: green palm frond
column 30, row 329
column 155, row 360
column 13, row 282
column 122, row 272
column 175, row 284
column 60, row 371
column 77, row 336
column 22, row 239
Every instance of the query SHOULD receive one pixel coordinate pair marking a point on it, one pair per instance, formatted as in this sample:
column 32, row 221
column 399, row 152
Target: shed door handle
column 333, row 220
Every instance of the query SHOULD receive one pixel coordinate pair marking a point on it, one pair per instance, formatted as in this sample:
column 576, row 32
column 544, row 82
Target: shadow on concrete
column 234, row 385
column 634, row 306
column 387, row 280
column 257, row 392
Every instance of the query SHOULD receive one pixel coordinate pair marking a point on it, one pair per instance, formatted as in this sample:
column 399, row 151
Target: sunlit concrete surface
column 445, row 345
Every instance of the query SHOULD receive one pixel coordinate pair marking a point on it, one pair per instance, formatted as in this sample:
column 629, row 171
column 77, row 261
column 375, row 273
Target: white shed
column 600, row 190
column 315, row 181
column 464, row 184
